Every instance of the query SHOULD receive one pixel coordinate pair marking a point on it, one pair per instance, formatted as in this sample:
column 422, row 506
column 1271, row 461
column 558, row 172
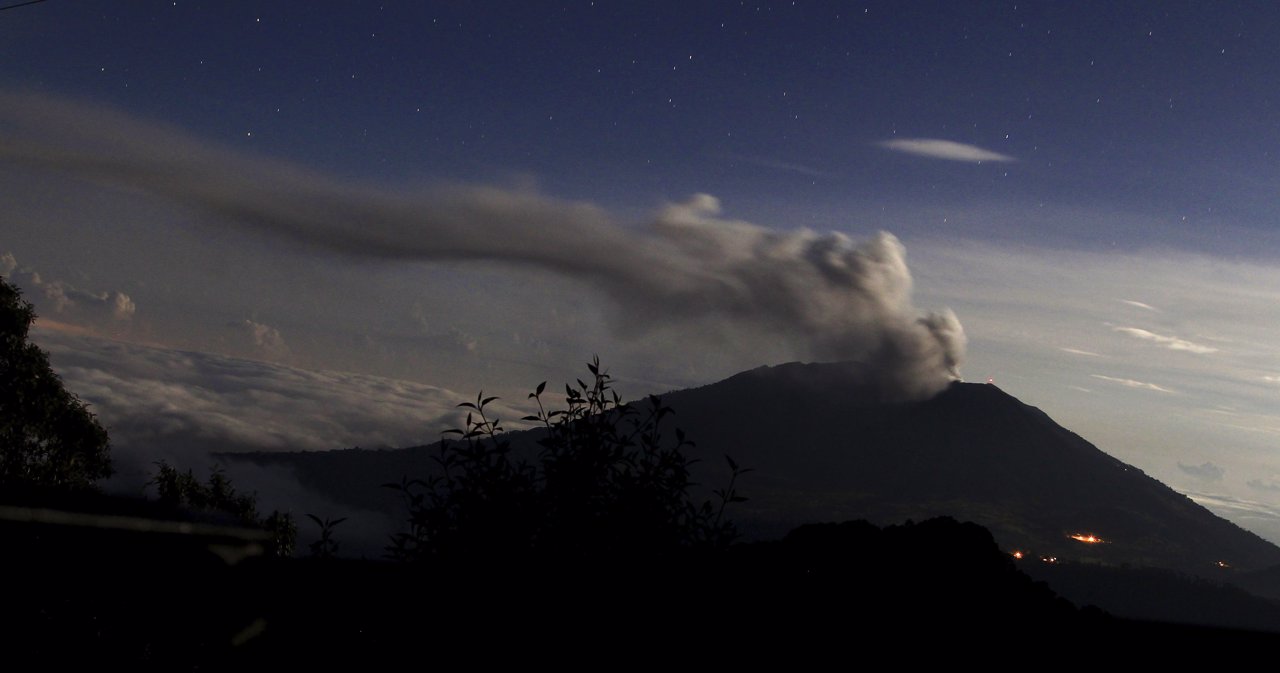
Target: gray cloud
column 1260, row 485
column 829, row 297
column 1170, row 342
column 944, row 149
column 1206, row 471
column 264, row 341
column 65, row 297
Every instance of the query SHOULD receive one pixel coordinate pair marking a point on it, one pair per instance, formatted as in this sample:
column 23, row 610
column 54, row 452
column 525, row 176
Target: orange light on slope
column 1087, row 539
column 1017, row 554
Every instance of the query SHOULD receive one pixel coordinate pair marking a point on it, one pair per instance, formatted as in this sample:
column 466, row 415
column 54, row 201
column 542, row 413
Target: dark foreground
column 193, row 596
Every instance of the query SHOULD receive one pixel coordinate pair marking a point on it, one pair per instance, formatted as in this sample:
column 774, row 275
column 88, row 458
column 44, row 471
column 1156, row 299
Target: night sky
column 1091, row 188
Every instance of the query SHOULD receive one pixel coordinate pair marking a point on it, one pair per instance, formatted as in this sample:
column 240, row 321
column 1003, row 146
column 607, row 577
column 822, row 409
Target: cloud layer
column 944, row 149
column 160, row 403
column 825, row 295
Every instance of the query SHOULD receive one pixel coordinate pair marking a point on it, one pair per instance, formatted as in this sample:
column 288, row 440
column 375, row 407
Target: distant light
column 991, row 380
column 1018, row 555
column 1086, row 538
column 1223, row 564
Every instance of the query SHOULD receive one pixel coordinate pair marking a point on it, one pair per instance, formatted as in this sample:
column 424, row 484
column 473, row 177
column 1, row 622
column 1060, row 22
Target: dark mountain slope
column 824, row 450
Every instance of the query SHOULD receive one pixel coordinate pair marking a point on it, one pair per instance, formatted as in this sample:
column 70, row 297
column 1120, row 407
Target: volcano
column 824, row 446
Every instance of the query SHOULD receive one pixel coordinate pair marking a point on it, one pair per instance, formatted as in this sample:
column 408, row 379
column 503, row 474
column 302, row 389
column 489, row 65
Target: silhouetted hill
column 1154, row 594
column 1265, row 582
column 825, row 449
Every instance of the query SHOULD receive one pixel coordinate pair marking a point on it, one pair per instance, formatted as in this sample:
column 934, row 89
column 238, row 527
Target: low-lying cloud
column 823, row 294
column 944, row 149
column 181, row 406
column 1170, row 342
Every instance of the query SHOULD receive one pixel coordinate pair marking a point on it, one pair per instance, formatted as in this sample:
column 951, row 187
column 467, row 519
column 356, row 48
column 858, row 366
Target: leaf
column 487, row 400
column 732, row 465
column 541, row 387
column 466, row 405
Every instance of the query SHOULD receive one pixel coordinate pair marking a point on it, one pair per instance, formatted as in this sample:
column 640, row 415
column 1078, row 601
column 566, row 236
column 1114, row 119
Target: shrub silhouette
column 48, row 438
column 326, row 547
column 607, row 481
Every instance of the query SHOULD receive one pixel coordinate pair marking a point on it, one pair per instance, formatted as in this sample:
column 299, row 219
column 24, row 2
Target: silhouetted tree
column 179, row 489
column 48, row 438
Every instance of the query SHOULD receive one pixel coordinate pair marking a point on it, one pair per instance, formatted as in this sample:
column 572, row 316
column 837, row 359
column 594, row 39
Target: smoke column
column 828, row 296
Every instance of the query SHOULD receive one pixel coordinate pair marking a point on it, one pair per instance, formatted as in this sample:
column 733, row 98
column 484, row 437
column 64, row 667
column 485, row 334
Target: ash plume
column 824, row 295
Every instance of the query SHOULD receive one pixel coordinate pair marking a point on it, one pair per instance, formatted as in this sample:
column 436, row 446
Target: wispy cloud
column 1138, row 304
column 780, row 165
column 944, row 149
column 1170, row 342
column 1077, row 351
column 1226, row 505
column 1132, row 383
